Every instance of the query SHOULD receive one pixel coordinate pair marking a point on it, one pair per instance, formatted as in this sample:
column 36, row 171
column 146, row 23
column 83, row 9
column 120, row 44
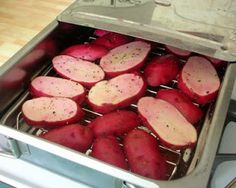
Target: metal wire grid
column 174, row 161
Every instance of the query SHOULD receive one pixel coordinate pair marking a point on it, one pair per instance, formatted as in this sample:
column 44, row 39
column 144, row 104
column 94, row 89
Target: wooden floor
column 21, row 20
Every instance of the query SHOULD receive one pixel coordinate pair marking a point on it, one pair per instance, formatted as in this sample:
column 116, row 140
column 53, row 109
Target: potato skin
column 161, row 70
column 51, row 123
column 108, row 150
column 167, row 123
column 134, row 55
column 178, row 52
column 74, row 136
column 112, row 40
column 89, row 52
column 143, row 155
column 190, row 83
column 107, row 107
column 78, row 70
column 191, row 112
column 101, row 32
column 115, row 123
column 56, row 84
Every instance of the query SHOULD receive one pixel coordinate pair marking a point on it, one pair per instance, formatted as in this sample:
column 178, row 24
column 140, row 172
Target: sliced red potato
column 67, row 28
column 167, row 123
column 51, row 112
column 118, row 92
column 153, row 44
column 108, row 150
column 161, row 70
column 115, row 123
column 32, row 59
column 126, row 58
column 84, row 72
column 190, row 111
column 112, row 40
column 14, row 78
column 199, row 80
column 48, row 86
column 74, row 136
column 144, row 157
column 100, row 32
column 49, row 46
column 178, row 52
column 216, row 62
column 89, row 52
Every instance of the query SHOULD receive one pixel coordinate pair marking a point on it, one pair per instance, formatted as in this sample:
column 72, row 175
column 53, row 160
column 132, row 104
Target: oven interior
column 38, row 62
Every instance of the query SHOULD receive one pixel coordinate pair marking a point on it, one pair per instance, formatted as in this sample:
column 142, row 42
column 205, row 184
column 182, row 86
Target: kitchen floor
column 21, row 20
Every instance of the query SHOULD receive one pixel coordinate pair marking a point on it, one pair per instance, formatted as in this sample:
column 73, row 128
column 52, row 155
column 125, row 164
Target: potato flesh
column 167, row 121
column 116, row 90
column 200, row 76
column 58, row 87
column 125, row 57
column 49, row 109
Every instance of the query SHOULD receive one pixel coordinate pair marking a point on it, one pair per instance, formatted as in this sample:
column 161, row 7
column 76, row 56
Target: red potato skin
column 194, row 96
column 37, row 93
column 112, row 40
column 108, row 150
column 217, row 63
column 153, row 44
column 165, row 143
column 111, row 74
column 78, row 99
column 50, row 46
column 115, row 123
column 161, row 70
column 199, row 99
column 31, row 60
column 105, row 108
column 100, row 32
column 175, row 97
column 131, row 70
column 87, row 85
column 14, row 78
column 83, row 83
column 176, row 54
column 74, row 136
column 144, row 157
column 55, row 124
column 92, row 52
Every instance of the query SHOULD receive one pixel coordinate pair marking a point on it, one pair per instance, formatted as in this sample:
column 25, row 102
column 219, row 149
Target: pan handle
column 9, row 147
column 127, row 185
column 231, row 184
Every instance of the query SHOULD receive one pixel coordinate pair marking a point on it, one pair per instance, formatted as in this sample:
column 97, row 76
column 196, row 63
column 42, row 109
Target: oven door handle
column 9, row 147
column 231, row 184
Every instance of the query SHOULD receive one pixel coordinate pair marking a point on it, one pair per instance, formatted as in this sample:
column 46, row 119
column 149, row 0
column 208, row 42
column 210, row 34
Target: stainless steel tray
column 26, row 146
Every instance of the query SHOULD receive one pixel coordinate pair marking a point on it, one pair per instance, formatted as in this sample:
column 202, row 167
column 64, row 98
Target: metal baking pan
column 189, row 168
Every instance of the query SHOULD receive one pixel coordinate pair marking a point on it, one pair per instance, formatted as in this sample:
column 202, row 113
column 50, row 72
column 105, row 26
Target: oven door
column 20, row 173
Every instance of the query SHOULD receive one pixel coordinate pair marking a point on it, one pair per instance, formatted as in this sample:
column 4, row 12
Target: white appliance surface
column 224, row 174
column 228, row 141
column 22, row 174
